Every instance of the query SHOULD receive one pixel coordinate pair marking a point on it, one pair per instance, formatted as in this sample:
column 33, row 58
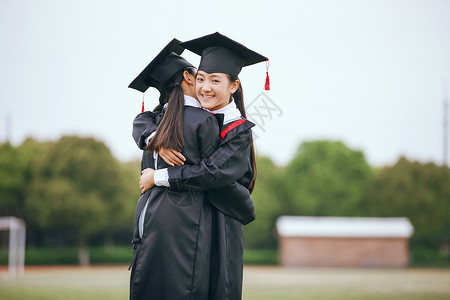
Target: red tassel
column 142, row 103
column 267, row 84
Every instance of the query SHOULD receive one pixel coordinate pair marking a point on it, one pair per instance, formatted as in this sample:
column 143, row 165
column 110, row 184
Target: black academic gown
column 172, row 260
column 226, row 174
column 229, row 165
column 230, row 160
column 142, row 129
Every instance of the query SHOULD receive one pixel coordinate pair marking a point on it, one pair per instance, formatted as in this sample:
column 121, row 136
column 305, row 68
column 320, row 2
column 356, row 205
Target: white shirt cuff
column 149, row 137
column 161, row 177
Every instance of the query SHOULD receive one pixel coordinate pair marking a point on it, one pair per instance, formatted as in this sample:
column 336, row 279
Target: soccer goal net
column 16, row 255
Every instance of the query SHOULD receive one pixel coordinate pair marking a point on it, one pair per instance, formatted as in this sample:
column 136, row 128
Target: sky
column 372, row 74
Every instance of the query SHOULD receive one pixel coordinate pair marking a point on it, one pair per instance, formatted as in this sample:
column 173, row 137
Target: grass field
column 262, row 283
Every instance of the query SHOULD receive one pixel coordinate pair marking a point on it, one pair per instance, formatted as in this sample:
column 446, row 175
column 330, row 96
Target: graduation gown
column 226, row 174
column 142, row 129
column 172, row 259
column 230, row 161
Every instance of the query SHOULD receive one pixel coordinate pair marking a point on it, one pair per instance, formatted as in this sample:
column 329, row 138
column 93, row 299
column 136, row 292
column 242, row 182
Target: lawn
column 262, row 283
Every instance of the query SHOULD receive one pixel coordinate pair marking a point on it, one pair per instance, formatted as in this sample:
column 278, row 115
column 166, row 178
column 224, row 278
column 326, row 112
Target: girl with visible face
column 214, row 90
column 219, row 90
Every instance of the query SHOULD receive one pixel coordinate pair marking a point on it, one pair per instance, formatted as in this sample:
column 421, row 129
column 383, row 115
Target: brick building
column 343, row 242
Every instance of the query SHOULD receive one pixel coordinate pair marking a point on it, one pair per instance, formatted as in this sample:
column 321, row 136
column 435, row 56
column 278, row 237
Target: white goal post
column 16, row 256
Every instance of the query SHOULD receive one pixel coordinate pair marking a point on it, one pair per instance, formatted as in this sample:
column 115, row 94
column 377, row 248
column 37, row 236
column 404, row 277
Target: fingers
column 166, row 159
column 179, row 155
column 143, row 187
column 172, row 157
column 146, row 180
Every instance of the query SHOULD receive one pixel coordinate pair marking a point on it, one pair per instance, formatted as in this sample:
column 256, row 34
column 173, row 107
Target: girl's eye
column 199, row 79
column 215, row 81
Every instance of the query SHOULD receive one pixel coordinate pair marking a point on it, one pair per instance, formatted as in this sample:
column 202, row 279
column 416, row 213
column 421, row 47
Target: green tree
column 326, row 179
column 418, row 191
column 268, row 206
column 12, row 181
column 128, row 195
column 15, row 170
column 74, row 190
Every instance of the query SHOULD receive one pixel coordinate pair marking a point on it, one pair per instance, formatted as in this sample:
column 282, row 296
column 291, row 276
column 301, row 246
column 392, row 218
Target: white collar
column 191, row 101
column 230, row 111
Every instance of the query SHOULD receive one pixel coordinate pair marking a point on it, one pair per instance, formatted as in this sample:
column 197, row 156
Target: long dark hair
column 170, row 130
column 238, row 97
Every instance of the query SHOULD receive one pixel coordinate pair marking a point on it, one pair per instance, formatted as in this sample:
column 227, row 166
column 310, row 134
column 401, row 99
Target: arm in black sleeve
column 223, row 167
column 143, row 125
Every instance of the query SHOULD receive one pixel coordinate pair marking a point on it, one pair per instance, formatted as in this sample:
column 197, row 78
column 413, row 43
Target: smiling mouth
column 207, row 96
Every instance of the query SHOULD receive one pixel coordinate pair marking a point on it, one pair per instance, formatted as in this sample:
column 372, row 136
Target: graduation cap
column 220, row 54
column 166, row 64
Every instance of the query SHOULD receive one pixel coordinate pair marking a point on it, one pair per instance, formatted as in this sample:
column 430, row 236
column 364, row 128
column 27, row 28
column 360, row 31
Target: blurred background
column 359, row 91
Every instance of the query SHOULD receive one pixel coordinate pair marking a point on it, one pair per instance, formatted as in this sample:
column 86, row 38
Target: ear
column 187, row 77
column 234, row 86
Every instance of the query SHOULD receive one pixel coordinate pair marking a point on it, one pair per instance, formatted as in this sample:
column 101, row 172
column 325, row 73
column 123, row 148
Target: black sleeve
column 208, row 137
column 143, row 125
column 223, row 167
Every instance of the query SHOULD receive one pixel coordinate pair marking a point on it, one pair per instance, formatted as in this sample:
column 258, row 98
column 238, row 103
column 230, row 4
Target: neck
column 189, row 93
column 188, row 90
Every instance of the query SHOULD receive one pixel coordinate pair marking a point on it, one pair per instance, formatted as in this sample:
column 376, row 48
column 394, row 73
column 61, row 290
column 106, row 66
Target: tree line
column 326, row 178
column 74, row 192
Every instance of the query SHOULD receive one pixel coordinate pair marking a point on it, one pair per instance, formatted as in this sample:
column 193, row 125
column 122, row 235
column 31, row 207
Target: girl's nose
column 206, row 87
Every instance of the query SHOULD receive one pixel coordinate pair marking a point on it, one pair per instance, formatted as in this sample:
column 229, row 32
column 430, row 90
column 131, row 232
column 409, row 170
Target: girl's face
column 214, row 90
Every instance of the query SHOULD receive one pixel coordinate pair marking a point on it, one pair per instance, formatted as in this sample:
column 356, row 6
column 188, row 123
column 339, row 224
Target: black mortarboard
column 166, row 64
column 221, row 54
